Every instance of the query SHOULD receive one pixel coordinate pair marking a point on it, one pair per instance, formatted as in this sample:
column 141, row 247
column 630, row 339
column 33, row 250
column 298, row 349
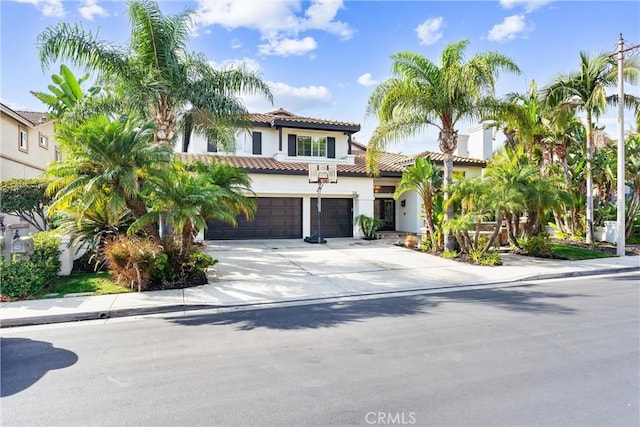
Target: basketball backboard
column 323, row 173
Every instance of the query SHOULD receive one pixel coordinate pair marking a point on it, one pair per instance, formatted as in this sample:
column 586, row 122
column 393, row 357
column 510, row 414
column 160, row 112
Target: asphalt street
column 562, row 352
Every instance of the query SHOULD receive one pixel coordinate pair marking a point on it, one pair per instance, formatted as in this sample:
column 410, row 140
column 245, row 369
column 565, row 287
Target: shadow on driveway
column 24, row 362
column 324, row 315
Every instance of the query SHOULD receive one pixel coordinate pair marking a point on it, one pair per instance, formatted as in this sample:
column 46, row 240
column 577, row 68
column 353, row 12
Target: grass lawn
column 574, row 253
column 99, row 283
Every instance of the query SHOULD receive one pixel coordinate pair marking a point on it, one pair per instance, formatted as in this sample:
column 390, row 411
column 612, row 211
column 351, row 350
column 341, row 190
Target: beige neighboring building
column 27, row 145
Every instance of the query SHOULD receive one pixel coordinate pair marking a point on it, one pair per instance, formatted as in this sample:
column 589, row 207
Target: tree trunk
column 512, row 228
column 428, row 220
column 165, row 121
column 495, row 234
column 589, row 177
column 448, row 139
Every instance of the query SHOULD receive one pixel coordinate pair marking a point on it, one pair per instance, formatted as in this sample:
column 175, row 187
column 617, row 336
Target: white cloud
column 91, row 9
column 509, row 28
column 291, row 98
column 287, row 47
column 429, row 31
column 279, row 22
column 366, row 80
column 320, row 16
column 249, row 64
column 49, row 8
column 236, row 44
column 529, row 5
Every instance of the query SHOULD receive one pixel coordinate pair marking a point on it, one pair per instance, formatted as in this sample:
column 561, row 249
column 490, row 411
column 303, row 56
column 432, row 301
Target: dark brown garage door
column 276, row 218
column 336, row 217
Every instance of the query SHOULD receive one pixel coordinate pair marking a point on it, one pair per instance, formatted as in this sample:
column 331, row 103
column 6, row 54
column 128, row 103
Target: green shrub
column 172, row 270
column 449, row 254
column 21, row 279
column 490, row 259
column 539, row 246
column 27, row 199
column 198, row 263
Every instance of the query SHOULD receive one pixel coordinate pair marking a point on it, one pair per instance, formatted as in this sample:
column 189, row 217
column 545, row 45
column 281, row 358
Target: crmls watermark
column 391, row 418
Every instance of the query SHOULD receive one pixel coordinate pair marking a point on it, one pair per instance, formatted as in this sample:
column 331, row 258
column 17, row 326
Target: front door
column 385, row 209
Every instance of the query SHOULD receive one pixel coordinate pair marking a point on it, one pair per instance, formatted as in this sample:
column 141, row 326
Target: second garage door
column 276, row 218
column 337, row 217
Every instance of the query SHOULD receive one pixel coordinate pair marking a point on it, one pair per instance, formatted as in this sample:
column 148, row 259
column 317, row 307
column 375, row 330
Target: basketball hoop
column 320, row 174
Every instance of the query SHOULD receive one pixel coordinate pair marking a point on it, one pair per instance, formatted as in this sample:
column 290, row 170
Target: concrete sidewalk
column 278, row 271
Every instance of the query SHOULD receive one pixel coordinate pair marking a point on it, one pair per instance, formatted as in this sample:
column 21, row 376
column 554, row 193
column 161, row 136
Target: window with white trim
column 23, row 139
column 43, row 140
column 312, row 146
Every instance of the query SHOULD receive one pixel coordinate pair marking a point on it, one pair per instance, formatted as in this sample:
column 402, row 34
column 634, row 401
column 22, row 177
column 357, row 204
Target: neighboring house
column 276, row 153
column 27, row 144
column 27, row 147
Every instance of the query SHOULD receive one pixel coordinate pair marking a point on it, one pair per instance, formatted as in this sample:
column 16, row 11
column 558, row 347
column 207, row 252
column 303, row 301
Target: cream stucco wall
column 271, row 144
column 15, row 163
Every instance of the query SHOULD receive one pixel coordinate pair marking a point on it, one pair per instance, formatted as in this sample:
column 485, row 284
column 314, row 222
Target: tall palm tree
column 423, row 94
column 586, row 89
column 156, row 72
column 426, row 180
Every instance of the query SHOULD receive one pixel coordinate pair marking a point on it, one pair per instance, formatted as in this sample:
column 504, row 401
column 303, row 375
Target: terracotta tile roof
column 457, row 160
column 283, row 117
column 269, row 165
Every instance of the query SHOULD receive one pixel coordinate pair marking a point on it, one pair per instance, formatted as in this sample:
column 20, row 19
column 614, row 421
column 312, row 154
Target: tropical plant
column 106, row 161
column 66, row 92
column 369, row 226
column 422, row 94
column 157, row 74
column 426, row 180
column 26, row 199
column 188, row 199
column 586, row 89
column 632, row 174
column 92, row 227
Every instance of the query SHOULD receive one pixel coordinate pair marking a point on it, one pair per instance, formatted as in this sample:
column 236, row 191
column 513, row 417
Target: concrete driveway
column 341, row 266
column 280, row 270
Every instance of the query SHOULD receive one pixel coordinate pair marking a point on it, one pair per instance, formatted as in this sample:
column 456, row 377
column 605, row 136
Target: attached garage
column 337, row 217
column 276, row 218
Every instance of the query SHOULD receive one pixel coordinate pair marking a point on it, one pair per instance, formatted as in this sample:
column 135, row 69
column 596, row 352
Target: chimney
column 480, row 142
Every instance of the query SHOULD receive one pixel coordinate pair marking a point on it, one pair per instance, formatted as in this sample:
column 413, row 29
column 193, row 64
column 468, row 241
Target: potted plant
column 369, row 226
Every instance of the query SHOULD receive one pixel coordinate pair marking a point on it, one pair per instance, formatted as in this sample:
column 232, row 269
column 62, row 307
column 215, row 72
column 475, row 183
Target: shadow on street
column 24, row 362
column 324, row 315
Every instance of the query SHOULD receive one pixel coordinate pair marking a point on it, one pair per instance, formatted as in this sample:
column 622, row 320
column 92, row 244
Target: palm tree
column 426, row 180
column 157, row 74
column 188, row 199
column 106, row 159
column 422, row 94
column 586, row 89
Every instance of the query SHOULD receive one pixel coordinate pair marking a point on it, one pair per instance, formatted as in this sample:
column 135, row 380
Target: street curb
column 173, row 308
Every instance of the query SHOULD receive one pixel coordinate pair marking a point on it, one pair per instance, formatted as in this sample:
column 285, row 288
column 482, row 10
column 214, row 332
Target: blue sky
column 324, row 57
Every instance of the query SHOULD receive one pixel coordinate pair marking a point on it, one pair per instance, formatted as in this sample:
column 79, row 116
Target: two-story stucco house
column 27, row 144
column 276, row 153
